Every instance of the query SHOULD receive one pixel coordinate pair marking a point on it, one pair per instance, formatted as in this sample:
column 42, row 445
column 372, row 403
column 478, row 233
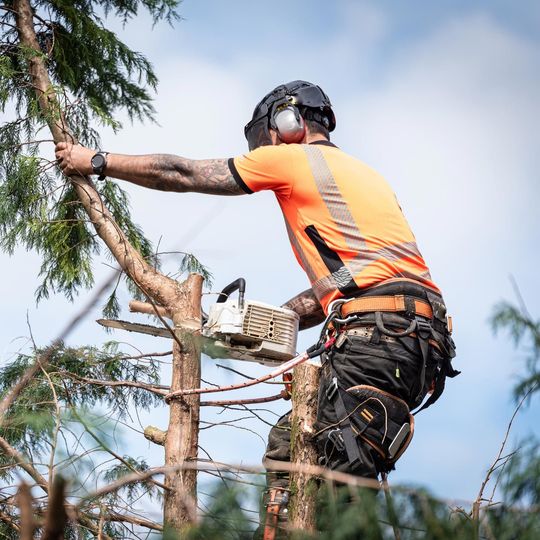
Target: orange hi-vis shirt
column 345, row 225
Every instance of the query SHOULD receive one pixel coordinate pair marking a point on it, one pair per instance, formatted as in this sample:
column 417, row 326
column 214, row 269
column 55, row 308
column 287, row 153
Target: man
column 349, row 235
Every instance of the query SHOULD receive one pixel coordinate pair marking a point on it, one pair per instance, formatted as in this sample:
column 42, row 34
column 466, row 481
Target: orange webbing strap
column 370, row 304
column 273, row 507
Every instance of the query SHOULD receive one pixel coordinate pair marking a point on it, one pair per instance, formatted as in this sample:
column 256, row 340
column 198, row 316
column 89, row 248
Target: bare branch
column 115, row 516
column 519, row 296
column 286, row 366
column 250, row 401
column 136, row 306
column 155, row 389
column 282, row 466
column 475, row 513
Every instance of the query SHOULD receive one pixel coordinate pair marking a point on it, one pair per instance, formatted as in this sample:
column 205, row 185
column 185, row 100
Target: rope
column 312, row 352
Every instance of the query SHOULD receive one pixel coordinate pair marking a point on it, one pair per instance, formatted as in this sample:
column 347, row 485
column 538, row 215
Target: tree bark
column 302, row 505
column 181, row 443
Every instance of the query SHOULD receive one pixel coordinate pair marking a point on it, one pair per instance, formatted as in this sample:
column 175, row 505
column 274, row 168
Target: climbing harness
column 383, row 420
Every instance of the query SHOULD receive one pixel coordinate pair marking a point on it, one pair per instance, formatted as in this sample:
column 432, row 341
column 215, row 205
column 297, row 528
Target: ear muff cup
column 290, row 125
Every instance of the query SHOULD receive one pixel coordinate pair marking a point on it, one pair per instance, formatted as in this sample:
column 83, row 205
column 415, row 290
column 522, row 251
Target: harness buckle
column 332, row 389
column 410, row 306
column 336, row 438
column 423, row 328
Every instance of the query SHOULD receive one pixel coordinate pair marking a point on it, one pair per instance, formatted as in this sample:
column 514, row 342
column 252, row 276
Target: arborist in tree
column 368, row 279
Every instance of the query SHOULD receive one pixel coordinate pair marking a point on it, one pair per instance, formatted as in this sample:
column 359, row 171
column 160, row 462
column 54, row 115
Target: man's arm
column 156, row 171
column 308, row 307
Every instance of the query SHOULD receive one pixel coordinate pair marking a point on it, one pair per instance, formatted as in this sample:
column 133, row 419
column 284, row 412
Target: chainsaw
column 237, row 328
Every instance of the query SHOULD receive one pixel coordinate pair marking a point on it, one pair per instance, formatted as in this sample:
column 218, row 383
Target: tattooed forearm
column 308, row 307
column 174, row 173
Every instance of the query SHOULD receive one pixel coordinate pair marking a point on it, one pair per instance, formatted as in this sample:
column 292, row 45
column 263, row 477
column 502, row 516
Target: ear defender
column 290, row 125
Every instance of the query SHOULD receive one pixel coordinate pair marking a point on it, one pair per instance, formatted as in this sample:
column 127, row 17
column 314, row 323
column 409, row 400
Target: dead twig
column 475, row 512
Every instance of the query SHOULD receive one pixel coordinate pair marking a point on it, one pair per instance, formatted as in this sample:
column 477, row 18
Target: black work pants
column 393, row 365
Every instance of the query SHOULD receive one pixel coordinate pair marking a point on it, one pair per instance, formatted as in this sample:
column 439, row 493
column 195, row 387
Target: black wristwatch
column 99, row 162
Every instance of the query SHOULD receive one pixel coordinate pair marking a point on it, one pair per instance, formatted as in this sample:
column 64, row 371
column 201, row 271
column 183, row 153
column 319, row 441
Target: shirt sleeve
column 267, row 167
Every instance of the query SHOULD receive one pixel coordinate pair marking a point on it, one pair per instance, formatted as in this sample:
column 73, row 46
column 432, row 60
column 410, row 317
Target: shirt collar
column 324, row 143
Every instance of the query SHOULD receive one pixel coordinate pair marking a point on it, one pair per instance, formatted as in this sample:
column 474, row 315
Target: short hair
column 316, row 127
column 316, row 122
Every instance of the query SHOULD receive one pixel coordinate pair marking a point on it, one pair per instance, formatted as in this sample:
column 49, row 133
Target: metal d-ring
column 385, row 331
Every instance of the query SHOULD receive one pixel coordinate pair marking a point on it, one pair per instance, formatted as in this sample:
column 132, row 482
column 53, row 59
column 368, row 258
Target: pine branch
column 151, row 282
column 158, row 390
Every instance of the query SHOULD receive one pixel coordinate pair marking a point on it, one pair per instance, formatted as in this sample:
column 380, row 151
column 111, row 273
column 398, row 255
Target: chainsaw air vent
column 255, row 332
column 266, row 323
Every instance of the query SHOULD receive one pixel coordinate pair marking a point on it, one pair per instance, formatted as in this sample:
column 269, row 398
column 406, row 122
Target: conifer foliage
column 94, row 76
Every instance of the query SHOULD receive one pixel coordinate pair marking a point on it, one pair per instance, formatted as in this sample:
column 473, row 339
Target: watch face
column 98, row 161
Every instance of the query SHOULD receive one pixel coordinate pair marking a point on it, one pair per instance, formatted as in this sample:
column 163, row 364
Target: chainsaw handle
column 237, row 285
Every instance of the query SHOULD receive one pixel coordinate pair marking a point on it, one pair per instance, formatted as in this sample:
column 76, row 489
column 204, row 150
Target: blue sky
column 440, row 97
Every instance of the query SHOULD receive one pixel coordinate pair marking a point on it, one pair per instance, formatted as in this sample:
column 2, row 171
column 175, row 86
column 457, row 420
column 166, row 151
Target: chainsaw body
column 237, row 328
column 249, row 330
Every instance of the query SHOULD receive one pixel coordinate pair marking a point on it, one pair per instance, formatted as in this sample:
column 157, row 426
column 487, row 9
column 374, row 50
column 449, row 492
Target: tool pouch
column 382, row 420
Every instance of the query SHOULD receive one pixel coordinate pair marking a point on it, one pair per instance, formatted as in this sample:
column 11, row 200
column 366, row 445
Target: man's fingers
column 61, row 146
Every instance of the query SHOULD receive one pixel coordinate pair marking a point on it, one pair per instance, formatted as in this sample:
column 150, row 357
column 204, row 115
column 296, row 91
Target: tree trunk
column 181, row 442
column 302, row 511
column 183, row 301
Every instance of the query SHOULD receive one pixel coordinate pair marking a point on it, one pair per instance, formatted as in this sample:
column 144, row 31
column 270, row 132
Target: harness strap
column 445, row 370
column 423, row 330
column 397, row 303
column 333, row 393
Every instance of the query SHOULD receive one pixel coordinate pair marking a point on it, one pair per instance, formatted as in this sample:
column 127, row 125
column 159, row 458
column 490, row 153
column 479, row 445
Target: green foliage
column 190, row 263
column 61, row 418
column 66, row 383
column 130, row 492
column 524, row 331
column 94, row 77
column 348, row 513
